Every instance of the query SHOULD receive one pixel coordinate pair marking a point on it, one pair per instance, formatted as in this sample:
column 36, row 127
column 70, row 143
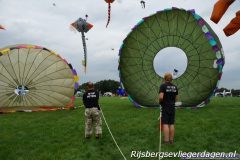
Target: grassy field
column 59, row 135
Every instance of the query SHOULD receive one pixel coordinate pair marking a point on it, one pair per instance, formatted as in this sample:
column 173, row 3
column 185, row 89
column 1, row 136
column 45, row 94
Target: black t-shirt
column 170, row 92
column 90, row 99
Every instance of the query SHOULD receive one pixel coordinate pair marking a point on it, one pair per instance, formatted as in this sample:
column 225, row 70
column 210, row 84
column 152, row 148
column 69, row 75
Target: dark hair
column 90, row 85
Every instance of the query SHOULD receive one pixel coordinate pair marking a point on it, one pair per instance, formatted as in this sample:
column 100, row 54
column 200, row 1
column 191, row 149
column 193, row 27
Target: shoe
column 98, row 136
column 165, row 142
column 87, row 136
column 171, row 142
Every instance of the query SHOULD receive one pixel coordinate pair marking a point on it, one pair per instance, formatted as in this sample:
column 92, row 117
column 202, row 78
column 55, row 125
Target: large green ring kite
column 171, row 28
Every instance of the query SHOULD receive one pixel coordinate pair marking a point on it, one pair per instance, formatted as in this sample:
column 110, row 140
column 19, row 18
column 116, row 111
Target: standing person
column 92, row 112
column 167, row 97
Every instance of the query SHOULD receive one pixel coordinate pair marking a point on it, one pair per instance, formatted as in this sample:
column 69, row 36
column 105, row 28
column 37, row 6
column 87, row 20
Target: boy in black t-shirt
column 168, row 96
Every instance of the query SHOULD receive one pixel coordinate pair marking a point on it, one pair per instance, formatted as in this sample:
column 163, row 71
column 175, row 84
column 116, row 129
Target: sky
column 41, row 23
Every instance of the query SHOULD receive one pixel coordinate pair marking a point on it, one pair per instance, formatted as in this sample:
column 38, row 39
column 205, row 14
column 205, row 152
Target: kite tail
column 85, row 52
column 109, row 13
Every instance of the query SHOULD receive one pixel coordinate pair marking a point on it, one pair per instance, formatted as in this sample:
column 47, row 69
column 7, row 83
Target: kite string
column 160, row 134
column 112, row 135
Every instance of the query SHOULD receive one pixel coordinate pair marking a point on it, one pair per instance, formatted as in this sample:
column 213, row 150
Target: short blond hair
column 168, row 77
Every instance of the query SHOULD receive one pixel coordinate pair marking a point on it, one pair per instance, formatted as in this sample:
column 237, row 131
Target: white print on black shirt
column 171, row 89
column 91, row 95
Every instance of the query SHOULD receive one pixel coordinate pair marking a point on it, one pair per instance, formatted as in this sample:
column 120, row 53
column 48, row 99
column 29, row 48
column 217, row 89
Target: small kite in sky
column 175, row 73
column 142, row 3
column 109, row 10
column 81, row 25
column 218, row 11
column 54, row 4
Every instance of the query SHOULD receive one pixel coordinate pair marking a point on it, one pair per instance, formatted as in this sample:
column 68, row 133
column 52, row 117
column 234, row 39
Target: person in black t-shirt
column 92, row 112
column 168, row 96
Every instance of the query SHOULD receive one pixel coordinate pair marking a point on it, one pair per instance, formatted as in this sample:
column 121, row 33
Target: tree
column 103, row 86
column 235, row 92
column 107, row 86
column 83, row 87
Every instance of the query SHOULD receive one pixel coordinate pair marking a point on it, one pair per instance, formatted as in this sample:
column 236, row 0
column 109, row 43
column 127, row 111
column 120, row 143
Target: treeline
column 112, row 86
column 103, row 86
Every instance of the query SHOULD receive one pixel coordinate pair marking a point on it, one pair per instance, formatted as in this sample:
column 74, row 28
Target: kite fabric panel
column 32, row 76
column 233, row 26
column 171, row 28
column 219, row 10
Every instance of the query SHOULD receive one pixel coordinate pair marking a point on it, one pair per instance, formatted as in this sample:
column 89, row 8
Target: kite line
column 112, row 136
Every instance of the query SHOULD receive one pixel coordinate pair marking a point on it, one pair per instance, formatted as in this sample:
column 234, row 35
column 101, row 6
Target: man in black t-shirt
column 92, row 112
column 168, row 96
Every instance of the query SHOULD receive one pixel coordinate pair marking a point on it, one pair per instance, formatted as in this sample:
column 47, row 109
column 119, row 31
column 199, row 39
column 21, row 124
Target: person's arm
column 97, row 94
column 161, row 93
column 84, row 99
column 176, row 98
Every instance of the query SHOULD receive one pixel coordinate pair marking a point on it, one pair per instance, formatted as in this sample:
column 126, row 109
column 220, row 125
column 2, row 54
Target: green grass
column 59, row 135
